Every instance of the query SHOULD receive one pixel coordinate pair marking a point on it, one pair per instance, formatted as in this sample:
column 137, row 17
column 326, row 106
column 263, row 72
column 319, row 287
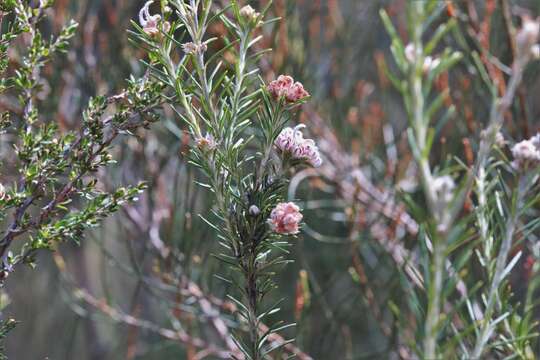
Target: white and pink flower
column 292, row 143
column 285, row 87
column 194, row 49
column 249, row 13
column 285, row 219
column 150, row 23
column 526, row 153
column 206, row 143
column 309, row 152
column 430, row 63
column 527, row 36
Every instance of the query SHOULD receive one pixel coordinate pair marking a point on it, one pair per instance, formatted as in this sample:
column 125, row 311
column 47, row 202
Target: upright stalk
column 421, row 66
column 252, row 293
column 420, row 126
column 434, row 300
column 502, row 257
column 218, row 107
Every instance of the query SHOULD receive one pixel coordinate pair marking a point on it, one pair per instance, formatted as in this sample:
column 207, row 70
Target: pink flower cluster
column 291, row 141
column 285, row 218
column 285, row 87
column 526, row 153
column 149, row 22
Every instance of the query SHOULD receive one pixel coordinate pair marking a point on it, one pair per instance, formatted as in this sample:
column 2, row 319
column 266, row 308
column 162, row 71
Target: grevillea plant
column 49, row 191
column 240, row 142
column 467, row 312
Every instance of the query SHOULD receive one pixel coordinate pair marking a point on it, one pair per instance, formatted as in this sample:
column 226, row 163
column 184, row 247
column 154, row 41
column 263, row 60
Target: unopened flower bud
column 526, row 154
column 444, row 188
column 194, row 49
column 151, row 23
column 285, row 87
column 536, row 140
column 254, row 210
column 429, row 64
column 527, row 36
column 249, row 13
column 535, row 52
column 410, row 53
column 499, row 140
column 206, row 143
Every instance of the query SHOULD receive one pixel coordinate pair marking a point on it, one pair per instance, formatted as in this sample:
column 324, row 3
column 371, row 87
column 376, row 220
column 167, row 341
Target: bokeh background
column 153, row 259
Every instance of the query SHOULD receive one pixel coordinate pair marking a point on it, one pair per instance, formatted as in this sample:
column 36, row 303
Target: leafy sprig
column 233, row 122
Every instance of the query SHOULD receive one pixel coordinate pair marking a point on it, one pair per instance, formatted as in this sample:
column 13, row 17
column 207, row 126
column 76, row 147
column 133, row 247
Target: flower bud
column 535, row 52
column 285, row 87
column 206, row 143
column 527, row 36
column 254, row 210
column 249, row 13
column 429, row 64
column 410, row 53
column 526, row 154
column 499, row 140
column 444, row 188
column 194, row 49
column 151, row 23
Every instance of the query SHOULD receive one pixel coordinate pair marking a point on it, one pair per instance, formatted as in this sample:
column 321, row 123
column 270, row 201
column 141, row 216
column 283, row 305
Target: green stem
column 252, row 293
column 434, row 300
column 506, row 244
column 420, row 127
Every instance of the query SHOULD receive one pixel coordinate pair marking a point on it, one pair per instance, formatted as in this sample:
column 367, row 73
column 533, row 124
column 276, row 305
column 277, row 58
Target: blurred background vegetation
column 153, row 262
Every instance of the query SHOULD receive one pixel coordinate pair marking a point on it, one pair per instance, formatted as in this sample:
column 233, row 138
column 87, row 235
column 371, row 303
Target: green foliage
column 56, row 195
column 233, row 122
column 464, row 311
column 422, row 251
column 5, row 327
